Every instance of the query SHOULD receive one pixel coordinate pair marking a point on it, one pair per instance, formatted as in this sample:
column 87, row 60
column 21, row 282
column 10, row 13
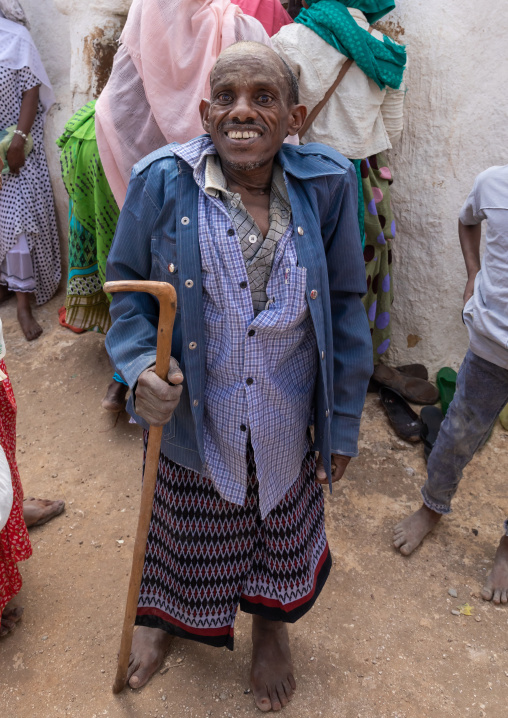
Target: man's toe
column 487, row 593
column 504, row 596
column 398, row 540
column 406, row 549
column 262, row 700
column 497, row 596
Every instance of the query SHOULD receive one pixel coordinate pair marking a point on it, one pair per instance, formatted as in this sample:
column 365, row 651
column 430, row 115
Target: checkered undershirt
column 257, row 251
column 260, row 369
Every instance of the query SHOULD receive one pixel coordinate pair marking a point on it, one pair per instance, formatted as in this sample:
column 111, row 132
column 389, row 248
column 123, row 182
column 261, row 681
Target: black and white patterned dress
column 26, row 200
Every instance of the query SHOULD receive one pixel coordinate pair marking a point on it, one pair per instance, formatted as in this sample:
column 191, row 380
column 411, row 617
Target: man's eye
column 224, row 97
column 264, row 99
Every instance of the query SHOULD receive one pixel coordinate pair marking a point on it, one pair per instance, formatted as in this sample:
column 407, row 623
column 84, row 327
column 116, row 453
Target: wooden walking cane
column 166, row 295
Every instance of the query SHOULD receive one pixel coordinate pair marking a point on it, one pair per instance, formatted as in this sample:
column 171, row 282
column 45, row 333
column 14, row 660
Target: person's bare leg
column 115, row 397
column 10, row 616
column 38, row 511
column 271, row 676
column 149, row 648
column 409, row 533
column 496, row 585
column 31, row 329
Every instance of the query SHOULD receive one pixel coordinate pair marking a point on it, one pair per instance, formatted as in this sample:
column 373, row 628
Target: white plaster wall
column 455, row 126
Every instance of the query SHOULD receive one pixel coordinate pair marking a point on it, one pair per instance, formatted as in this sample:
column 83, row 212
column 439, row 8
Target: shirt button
column 192, row 345
column 251, row 332
column 185, row 220
column 249, row 381
column 243, row 427
column 243, row 285
column 327, row 413
column 300, row 231
column 253, row 238
column 322, row 355
column 231, row 231
column 171, row 267
column 313, row 294
column 189, row 283
column 195, row 402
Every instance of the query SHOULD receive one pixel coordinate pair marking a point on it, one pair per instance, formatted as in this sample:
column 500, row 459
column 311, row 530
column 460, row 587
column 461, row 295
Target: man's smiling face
column 251, row 111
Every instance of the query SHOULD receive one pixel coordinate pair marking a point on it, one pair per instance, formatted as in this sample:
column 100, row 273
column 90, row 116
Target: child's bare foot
column 9, row 618
column 31, row 329
column 115, row 397
column 149, row 648
column 271, row 677
column 496, row 586
column 410, row 532
column 38, row 511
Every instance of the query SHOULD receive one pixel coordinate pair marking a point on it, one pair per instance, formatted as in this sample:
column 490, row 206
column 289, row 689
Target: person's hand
column 16, row 154
column 156, row 400
column 469, row 290
column 339, row 464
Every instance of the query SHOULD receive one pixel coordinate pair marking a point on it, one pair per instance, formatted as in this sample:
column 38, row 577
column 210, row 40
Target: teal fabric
column 381, row 60
column 373, row 10
column 361, row 205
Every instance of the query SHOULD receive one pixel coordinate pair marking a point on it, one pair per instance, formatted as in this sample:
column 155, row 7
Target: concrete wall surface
column 455, row 126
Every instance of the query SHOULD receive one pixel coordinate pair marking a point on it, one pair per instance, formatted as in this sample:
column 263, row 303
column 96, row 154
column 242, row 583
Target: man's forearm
column 470, row 236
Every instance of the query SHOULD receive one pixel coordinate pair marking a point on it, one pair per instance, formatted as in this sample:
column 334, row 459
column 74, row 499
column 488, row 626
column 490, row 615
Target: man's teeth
column 237, row 135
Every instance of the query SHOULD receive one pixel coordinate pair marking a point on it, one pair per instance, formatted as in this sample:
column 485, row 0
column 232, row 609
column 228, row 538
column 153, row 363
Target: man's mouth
column 242, row 134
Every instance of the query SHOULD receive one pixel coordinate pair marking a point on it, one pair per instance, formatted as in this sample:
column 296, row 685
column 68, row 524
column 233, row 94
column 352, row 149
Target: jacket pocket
column 165, row 265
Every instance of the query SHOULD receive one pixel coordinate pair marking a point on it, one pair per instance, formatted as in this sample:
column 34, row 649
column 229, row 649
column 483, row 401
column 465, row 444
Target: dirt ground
column 381, row 641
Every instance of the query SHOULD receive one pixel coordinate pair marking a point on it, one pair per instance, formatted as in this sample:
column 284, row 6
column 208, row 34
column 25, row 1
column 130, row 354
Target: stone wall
column 455, row 126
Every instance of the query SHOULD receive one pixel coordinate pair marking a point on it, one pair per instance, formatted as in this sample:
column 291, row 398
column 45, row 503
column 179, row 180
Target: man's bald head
column 247, row 53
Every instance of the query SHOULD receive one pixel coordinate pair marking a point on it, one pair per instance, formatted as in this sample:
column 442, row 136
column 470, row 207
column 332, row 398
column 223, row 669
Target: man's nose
column 244, row 110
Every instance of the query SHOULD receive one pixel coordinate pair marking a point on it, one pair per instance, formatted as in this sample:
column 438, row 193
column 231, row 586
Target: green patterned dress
column 93, row 215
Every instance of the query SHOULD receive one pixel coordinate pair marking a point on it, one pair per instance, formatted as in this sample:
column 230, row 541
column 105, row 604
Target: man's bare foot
column 271, row 676
column 5, row 293
column 31, row 329
column 38, row 511
column 410, row 532
column 115, row 397
column 149, row 648
column 10, row 616
column 496, row 586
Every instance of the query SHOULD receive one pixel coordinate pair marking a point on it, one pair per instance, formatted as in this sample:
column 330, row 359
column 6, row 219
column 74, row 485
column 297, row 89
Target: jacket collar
column 303, row 162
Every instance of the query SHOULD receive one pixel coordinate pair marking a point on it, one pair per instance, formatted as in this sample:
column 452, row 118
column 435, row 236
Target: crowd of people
column 238, row 152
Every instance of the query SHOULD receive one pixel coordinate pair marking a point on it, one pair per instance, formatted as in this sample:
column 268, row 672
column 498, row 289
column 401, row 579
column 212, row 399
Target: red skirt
column 14, row 542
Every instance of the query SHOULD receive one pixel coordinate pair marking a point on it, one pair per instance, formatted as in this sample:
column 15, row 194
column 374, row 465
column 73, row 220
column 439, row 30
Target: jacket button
column 300, row 231
column 322, row 355
column 185, row 220
column 195, row 402
column 313, row 294
column 252, row 238
column 171, row 267
column 189, row 283
column 327, row 413
column 192, row 345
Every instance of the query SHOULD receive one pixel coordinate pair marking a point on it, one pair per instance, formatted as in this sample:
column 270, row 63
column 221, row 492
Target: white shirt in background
column 359, row 119
column 486, row 312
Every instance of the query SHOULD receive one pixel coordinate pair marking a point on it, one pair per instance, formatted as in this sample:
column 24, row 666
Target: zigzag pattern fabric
column 206, row 557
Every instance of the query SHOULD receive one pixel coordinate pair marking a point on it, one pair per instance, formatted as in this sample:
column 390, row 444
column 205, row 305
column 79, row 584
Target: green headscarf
column 381, row 60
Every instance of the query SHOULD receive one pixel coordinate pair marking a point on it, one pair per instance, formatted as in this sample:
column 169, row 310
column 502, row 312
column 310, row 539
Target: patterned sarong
column 206, row 557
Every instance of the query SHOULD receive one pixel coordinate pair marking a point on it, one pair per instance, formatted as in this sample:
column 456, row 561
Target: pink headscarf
column 160, row 74
column 270, row 13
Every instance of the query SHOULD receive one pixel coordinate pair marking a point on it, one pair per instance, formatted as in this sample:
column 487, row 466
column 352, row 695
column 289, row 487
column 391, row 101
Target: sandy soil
column 381, row 642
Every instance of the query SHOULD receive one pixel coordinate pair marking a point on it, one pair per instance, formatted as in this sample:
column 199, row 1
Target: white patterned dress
column 27, row 214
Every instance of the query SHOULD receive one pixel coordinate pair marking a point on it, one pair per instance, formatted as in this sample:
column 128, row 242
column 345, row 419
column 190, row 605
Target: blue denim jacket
column 158, row 231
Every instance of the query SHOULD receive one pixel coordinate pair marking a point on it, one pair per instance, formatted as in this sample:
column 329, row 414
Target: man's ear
column 297, row 116
column 204, row 111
